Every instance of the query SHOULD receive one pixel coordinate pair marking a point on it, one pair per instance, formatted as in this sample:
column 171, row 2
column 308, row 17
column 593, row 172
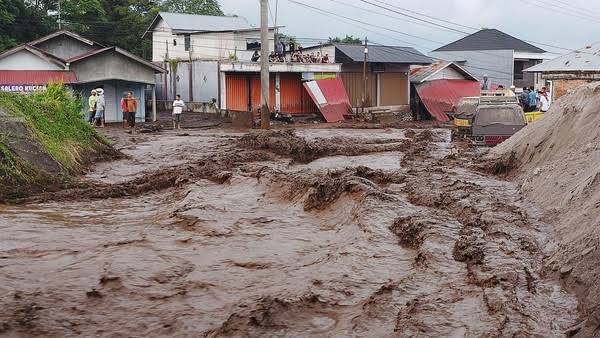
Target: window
column 519, row 66
column 188, row 42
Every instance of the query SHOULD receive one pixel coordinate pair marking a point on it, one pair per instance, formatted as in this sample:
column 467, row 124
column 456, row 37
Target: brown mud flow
column 324, row 232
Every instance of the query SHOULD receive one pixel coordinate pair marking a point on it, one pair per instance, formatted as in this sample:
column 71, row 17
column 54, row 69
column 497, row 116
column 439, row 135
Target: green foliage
column 204, row 7
column 110, row 22
column 285, row 38
column 21, row 21
column 348, row 39
column 55, row 118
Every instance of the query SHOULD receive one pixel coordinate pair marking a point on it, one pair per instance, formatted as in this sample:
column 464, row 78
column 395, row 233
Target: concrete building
column 494, row 53
column 569, row 71
column 201, row 37
column 83, row 65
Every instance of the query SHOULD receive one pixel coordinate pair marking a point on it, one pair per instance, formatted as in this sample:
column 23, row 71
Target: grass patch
column 44, row 139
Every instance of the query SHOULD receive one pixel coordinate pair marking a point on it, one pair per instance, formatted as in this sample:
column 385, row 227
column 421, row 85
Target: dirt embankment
column 44, row 143
column 558, row 161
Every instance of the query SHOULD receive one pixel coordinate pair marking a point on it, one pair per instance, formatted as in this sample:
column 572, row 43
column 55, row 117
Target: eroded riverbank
column 325, row 232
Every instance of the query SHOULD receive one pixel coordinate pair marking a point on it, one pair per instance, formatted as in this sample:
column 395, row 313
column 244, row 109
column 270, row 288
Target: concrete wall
column 112, row 65
column 65, row 47
column 113, row 92
column 205, row 82
column 497, row 64
column 207, row 46
column 563, row 87
column 25, row 60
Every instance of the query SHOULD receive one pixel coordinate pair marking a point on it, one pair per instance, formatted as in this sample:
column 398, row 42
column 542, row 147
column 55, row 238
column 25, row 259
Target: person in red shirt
column 124, row 110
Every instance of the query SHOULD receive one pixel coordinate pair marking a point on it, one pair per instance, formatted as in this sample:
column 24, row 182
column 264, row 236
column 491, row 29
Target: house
column 83, row 65
column 189, row 47
column 388, row 67
column 569, row 71
column 494, row 53
column 185, row 36
column 436, row 89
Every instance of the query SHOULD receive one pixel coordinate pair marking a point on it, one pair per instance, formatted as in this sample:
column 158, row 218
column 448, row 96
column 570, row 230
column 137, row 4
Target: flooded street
column 313, row 232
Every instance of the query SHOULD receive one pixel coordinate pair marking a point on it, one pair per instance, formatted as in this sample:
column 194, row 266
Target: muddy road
column 324, row 232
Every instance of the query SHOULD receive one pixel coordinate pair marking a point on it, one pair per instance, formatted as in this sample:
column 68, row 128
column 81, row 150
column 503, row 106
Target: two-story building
column 496, row 54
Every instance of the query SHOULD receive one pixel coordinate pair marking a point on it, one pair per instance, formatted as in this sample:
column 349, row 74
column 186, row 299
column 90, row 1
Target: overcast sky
column 554, row 23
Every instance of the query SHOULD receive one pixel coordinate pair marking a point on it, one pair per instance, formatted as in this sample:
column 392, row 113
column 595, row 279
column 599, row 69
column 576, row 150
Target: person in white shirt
column 178, row 106
column 544, row 102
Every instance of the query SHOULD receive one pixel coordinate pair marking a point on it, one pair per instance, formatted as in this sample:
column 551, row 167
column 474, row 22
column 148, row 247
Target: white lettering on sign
column 21, row 88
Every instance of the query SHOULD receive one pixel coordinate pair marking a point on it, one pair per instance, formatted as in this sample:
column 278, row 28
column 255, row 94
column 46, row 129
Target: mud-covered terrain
column 315, row 232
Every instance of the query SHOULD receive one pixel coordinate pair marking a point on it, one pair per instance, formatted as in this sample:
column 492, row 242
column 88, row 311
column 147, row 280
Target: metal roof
column 181, row 23
column 441, row 97
column 383, row 54
column 36, row 51
column 489, row 39
column 67, row 33
column 422, row 74
column 36, row 77
column 583, row 60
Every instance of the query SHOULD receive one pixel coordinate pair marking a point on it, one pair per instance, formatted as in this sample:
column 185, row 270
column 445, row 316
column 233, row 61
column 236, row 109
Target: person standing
column 485, row 85
column 132, row 110
column 92, row 110
column 533, row 101
column 178, row 106
column 100, row 107
column 544, row 102
column 124, row 110
column 524, row 99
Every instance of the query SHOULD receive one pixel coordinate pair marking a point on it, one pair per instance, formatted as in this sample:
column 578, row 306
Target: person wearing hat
column 100, row 106
column 92, row 110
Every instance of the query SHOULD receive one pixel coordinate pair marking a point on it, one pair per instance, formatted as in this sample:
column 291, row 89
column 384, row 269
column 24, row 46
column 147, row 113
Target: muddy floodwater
column 312, row 233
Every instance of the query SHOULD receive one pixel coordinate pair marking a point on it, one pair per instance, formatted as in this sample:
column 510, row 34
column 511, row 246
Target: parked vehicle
column 490, row 119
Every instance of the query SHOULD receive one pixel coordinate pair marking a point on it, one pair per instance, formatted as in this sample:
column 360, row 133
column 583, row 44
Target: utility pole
column 191, row 75
column 364, row 86
column 59, row 16
column 265, row 113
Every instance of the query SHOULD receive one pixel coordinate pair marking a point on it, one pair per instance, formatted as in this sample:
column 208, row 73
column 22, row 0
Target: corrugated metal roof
column 583, row 60
column 331, row 98
column 120, row 51
column 421, row 74
column 442, row 96
column 204, row 23
column 383, row 54
column 36, row 77
column 489, row 39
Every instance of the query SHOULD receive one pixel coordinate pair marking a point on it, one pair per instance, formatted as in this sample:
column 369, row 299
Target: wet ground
column 313, row 232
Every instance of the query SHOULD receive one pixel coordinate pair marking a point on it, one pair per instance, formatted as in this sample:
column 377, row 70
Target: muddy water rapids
column 306, row 233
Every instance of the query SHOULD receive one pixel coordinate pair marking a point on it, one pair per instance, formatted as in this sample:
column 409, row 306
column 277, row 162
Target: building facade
column 496, row 54
column 83, row 65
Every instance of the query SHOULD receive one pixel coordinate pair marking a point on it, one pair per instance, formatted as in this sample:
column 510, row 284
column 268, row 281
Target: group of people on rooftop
column 296, row 55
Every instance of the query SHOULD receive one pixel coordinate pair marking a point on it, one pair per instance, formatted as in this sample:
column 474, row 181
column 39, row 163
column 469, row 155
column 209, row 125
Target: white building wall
column 205, row 46
column 497, row 64
column 25, row 60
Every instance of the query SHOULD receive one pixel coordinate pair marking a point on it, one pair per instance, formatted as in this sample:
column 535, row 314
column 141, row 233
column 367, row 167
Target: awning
column 331, row 98
column 442, row 96
column 36, row 77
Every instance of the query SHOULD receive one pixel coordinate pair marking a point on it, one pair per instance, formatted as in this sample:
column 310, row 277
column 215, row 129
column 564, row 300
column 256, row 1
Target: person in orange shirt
column 124, row 109
column 131, row 109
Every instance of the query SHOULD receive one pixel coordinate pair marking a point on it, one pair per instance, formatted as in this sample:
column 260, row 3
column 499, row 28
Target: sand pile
column 558, row 161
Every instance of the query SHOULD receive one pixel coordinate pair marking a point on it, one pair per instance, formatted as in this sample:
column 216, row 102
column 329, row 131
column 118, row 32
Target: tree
column 204, row 7
column 349, row 39
column 285, row 38
column 21, row 22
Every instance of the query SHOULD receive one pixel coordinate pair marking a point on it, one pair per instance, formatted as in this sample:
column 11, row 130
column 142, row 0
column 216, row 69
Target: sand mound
column 558, row 160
